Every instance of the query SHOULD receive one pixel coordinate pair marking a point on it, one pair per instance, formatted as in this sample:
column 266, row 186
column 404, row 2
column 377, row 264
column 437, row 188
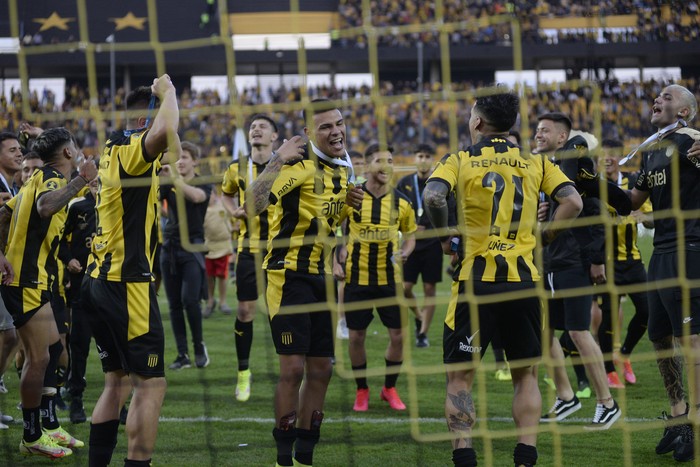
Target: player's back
column 127, row 212
column 497, row 194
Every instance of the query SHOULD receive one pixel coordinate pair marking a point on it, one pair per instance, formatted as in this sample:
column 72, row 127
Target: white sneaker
column 341, row 331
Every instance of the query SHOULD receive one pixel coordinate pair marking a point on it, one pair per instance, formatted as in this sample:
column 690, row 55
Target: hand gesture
column 543, row 211
column 338, row 271
column 292, row 149
column 239, row 213
column 74, row 266
column 88, row 169
column 165, row 171
column 597, row 274
column 161, row 86
column 5, row 197
column 354, row 197
column 8, row 274
column 694, row 152
column 32, row 131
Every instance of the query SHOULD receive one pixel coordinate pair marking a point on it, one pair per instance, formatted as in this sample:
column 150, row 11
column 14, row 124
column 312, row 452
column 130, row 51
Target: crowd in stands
column 655, row 21
column 622, row 103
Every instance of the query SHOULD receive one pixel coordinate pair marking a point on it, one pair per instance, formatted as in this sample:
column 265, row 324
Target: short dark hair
column 7, row 135
column 139, row 98
column 557, row 117
column 372, row 149
column 612, row 143
column 192, row 148
column 499, row 110
column 355, row 154
column 30, row 155
column 424, row 147
column 264, row 117
column 325, row 106
column 49, row 142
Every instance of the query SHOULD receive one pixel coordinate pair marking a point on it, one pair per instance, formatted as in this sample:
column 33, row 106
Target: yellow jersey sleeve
column 447, row 170
column 290, row 178
column 553, row 177
column 131, row 156
column 50, row 184
column 12, row 203
column 229, row 185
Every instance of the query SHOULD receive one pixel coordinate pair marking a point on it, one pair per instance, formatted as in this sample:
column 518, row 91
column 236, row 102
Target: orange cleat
column 392, row 397
column 614, row 381
column 629, row 373
column 361, row 400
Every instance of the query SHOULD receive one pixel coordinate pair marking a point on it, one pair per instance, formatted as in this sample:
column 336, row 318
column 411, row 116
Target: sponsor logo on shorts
column 687, row 319
column 287, row 338
column 468, row 347
column 152, row 360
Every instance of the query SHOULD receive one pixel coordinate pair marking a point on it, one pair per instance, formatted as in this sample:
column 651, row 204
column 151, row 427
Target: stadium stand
column 621, row 105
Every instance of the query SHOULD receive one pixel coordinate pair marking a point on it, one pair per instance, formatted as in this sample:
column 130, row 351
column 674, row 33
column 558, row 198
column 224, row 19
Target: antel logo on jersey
column 656, row 179
column 333, row 208
column 368, row 233
column 468, row 347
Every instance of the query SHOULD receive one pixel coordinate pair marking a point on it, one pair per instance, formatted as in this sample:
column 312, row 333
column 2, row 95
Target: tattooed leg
column 459, row 407
column 671, row 368
column 693, row 363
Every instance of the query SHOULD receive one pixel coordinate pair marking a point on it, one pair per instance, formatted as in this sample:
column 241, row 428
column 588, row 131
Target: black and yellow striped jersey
column 254, row 231
column 32, row 246
column 127, row 212
column 624, row 231
column 497, row 191
column 308, row 197
column 374, row 235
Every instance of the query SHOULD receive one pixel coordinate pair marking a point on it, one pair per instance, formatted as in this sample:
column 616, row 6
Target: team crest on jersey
column 51, row 185
column 287, row 338
column 152, row 360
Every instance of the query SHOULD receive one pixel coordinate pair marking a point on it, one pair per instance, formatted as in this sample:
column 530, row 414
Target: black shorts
column 60, row 314
column 630, row 272
column 569, row 313
column 426, row 261
column 127, row 327
column 23, row 302
column 359, row 318
column 248, row 267
column 295, row 331
column 518, row 322
column 666, row 314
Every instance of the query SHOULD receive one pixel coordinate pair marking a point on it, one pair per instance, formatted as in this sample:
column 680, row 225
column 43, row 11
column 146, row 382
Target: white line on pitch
column 374, row 421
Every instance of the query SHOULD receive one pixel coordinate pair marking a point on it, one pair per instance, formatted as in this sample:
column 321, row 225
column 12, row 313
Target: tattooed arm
column 570, row 206
column 435, row 202
column 258, row 192
column 51, row 202
column 5, row 266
